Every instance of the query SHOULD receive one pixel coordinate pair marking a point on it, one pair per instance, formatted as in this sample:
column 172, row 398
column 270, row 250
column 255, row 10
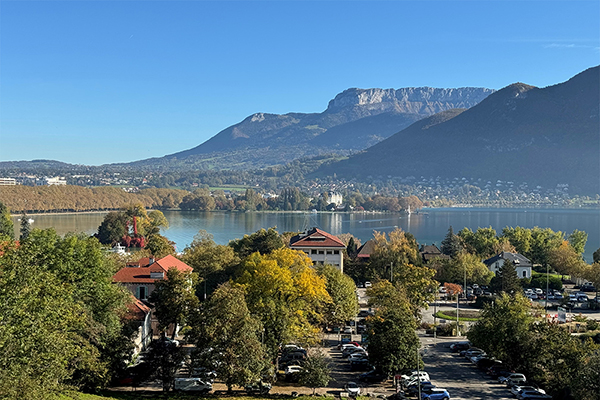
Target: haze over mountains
column 520, row 133
column 354, row 120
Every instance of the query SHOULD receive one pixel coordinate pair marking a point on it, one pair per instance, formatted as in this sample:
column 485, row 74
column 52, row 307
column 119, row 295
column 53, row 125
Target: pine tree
column 509, row 278
column 25, row 226
column 451, row 244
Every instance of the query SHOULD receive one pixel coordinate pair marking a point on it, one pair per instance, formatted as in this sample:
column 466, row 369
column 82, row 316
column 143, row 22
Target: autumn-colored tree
column 287, row 294
column 467, row 267
column 564, row 259
column 398, row 259
column 342, row 290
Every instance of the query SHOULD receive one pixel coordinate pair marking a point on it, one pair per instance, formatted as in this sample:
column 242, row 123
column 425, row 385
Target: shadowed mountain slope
column 520, row 133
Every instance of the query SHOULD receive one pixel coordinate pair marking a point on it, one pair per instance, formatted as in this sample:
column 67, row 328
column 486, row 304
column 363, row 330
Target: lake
column 429, row 226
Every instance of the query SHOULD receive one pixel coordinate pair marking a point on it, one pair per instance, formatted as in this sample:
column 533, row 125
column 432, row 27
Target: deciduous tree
column 6, row 224
column 262, row 241
column 316, row 371
column 342, row 291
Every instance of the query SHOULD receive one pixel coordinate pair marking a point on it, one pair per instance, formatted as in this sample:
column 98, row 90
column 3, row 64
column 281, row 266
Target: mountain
column 541, row 136
column 354, row 120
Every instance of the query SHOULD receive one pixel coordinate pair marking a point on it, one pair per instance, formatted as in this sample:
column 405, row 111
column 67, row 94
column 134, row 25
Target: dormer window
column 157, row 275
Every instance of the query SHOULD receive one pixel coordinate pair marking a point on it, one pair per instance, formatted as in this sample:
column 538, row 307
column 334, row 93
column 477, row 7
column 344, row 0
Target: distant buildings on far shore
column 34, row 181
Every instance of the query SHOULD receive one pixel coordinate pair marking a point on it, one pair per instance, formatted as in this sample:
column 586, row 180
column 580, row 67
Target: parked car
column 359, row 355
column 473, row 351
column 582, row 299
column 413, row 390
column 515, row 379
column 413, row 375
column 456, row 347
column 485, row 363
column 351, row 350
column 368, row 284
column 532, row 394
column 414, row 381
column 352, row 389
column 258, row 388
column 192, row 385
column 292, row 373
column 436, row 394
column 517, row 389
column 373, row 376
column 360, row 364
column 588, row 287
column 348, row 330
column 363, row 314
column 475, row 359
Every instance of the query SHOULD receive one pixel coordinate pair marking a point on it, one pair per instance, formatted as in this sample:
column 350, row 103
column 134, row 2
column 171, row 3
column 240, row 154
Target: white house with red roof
column 140, row 315
column 140, row 276
column 321, row 247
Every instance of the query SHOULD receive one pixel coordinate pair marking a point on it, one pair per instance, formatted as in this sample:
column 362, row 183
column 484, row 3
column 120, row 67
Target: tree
column 482, row 242
column 508, row 279
column 577, row 240
column 112, row 228
column 465, row 266
column 76, row 264
column 316, row 371
column 393, row 342
column 174, row 299
column 285, row 292
column 212, row 262
column 502, row 330
column 159, row 246
column 342, row 291
column 398, row 258
column 164, row 358
column 228, row 338
column 25, row 226
column 262, row 241
column 451, row 244
column 564, row 259
column 6, row 224
column 596, row 256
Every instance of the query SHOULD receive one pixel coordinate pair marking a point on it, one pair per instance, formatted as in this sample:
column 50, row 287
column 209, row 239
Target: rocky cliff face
column 421, row 100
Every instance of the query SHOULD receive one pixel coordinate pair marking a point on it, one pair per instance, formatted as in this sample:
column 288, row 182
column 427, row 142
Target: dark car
column 413, row 390
column 456, row 347
column 486, row 363
column 360, row 365
column 373, row 377
column 496, row 372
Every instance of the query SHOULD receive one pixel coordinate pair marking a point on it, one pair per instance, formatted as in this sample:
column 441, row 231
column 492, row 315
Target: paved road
column 457, row 375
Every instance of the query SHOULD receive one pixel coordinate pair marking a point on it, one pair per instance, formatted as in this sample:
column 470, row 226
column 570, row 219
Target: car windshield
column 352, row 385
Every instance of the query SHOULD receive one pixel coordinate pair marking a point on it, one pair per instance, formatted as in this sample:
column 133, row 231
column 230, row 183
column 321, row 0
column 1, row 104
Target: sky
column 96, row 82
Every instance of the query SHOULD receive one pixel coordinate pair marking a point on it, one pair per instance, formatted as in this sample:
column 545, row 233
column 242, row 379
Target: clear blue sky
column 100, row 82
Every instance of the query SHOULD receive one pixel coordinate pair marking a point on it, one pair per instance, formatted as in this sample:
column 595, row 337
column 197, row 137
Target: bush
column 539, row 281
column 592, row 325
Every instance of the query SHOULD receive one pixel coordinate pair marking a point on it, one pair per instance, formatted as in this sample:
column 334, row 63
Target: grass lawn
column 463, row 315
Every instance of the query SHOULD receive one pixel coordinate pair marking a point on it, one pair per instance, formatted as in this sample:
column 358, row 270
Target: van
column 192, row 385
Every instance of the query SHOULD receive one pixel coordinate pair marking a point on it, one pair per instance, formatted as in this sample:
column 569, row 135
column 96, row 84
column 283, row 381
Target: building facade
column 321, row 247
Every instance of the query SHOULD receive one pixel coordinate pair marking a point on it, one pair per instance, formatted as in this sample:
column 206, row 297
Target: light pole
column 457, row 329
column 418, row 372
column 547, row 285
column 434, row 317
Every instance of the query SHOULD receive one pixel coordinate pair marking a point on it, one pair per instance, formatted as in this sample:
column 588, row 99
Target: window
column 524, row 274
column 336, row 252
column 313, row 252
column 321, row 252
column 142, row 292
column 329, row 252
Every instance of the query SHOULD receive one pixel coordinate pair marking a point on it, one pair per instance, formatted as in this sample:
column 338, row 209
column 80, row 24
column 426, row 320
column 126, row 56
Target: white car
column 413, row 375
column 192, row 385
column 515, row 379
column 359, row 355
column 368, row 284
column 352, row 388
column 516, row 390
column 293, row 369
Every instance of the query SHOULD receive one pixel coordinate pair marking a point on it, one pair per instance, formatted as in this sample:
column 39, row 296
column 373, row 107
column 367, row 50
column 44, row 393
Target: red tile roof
column 316, row 238
column 134, row 274
column 137, row 310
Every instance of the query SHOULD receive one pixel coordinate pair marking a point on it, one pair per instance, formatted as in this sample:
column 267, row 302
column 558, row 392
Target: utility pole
column 457, row 329
column 434, row 317
column 547, row 285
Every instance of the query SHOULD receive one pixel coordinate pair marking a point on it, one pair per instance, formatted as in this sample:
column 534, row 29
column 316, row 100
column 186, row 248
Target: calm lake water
column 429, row 226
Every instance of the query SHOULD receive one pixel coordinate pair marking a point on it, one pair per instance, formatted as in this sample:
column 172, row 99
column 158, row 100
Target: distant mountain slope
column 353, row 120
column 521, row 133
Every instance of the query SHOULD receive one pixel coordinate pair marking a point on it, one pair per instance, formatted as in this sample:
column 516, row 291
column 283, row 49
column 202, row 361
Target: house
column 521, row 263
column 431, row 252
column 321, row 247
column 365, row 251
column 139, row 315
column 140, row 276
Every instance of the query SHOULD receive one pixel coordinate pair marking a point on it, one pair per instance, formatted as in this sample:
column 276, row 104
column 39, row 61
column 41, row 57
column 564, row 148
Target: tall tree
column 342, row 291
column 164, row 359
column 159, row 245
column 285, row 292
column 467, row 267
column 393, row 342
column 508, row 279
column 451, row 244
column 174, row 299
column 6, row 224
column 112, row 228
column 577, row 240
column 25, row 226
column 228, row 339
